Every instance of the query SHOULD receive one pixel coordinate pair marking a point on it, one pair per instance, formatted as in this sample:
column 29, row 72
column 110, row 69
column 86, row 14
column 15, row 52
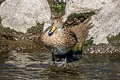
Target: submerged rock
column 23, row 14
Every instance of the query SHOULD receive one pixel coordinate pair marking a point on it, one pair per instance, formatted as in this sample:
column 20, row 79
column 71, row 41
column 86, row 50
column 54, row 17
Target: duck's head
column 56, row 25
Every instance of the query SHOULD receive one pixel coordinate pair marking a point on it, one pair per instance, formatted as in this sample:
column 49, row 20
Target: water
column 35, row 66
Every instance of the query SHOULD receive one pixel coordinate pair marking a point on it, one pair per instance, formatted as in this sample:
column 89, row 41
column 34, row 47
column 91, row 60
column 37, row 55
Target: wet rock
column 5, row 36
column 102, row 52
column 23, row 14
column 106, row 23
column 82, row 6
column 34, row 33
column 3, row 46
column 13, row 40
column 75, row 19
column 102, row 49
column 23, row 46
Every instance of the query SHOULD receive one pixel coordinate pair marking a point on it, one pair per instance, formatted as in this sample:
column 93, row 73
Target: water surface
column 35, row 66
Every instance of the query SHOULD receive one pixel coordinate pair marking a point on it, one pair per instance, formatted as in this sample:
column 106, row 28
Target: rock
column 23, row 14
column 102, row 52
column 12, row 40
column 82, row 6
column 102, row 49
column 106, row 23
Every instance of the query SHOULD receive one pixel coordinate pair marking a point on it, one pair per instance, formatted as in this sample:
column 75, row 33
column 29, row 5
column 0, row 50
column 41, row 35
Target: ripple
column 27, row 66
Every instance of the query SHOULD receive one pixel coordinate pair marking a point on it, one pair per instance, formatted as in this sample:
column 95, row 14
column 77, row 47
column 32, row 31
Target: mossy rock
column 36, row 29
column 13, row 40
column 114, row 40
column 75, row 19
column 101, row 52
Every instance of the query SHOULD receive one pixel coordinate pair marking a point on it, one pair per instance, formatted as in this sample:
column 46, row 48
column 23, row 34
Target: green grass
column 58, row 8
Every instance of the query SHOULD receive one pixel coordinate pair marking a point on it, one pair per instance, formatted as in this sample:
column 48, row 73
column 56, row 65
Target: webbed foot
column 59, row 60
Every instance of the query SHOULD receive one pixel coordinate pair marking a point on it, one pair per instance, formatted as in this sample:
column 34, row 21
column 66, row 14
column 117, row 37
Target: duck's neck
column 59, row 26
column 58, row 29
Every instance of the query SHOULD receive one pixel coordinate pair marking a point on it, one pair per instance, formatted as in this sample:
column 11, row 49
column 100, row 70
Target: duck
column 59, row 39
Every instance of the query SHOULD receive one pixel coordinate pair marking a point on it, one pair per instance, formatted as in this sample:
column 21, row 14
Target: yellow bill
column 53, row 28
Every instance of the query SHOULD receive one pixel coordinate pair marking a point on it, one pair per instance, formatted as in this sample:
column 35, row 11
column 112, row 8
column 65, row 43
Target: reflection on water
column 35, row 66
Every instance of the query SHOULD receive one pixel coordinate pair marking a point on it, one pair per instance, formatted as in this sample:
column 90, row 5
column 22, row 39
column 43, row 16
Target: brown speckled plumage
column 61, row 41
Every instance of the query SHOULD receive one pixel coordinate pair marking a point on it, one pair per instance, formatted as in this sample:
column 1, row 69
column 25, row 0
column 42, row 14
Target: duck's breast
column 62, row 40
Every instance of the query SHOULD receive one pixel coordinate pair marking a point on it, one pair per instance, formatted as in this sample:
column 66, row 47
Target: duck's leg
column 64, row 63
column 53, row 58
column 54, row 62
column 69, row 56
column 67, row 59
column 59, row 56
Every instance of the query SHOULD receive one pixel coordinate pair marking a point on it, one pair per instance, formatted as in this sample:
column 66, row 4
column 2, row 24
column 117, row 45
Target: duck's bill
column 52, row 30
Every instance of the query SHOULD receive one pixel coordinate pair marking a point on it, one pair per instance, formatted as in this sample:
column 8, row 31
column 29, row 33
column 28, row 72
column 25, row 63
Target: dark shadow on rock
column 1, row 1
